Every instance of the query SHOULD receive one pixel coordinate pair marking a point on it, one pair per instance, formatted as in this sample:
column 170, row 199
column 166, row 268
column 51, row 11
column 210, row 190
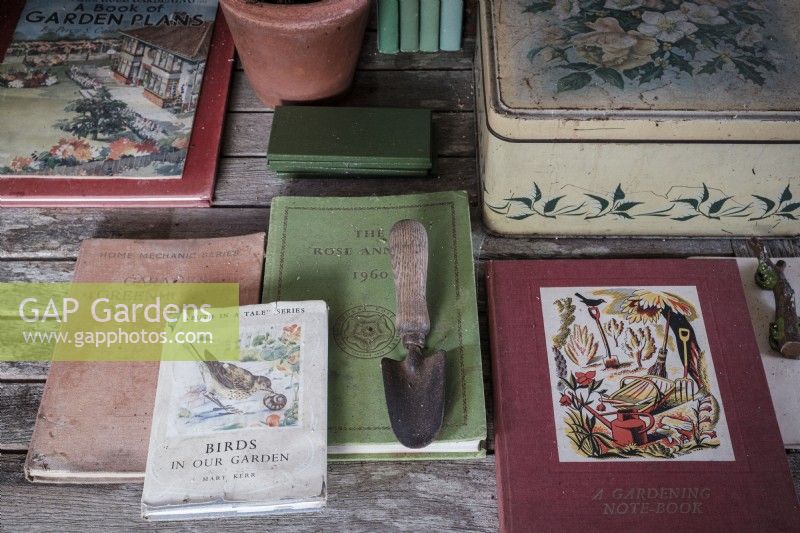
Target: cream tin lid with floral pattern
column 673, row 70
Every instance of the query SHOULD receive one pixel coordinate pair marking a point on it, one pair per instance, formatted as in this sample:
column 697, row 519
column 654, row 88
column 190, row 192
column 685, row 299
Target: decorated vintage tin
column 639, row 117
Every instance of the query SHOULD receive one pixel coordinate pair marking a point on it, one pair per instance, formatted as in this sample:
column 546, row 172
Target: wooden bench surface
column 42, row 244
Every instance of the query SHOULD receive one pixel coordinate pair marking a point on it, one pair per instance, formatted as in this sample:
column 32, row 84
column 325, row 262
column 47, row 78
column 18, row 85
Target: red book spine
column 496, row 349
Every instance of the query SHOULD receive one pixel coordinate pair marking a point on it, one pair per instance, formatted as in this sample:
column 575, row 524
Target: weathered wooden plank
column 488, row 246
column 57, row 233
column 247, row 134
column 247, row 181
column 20, row 403
column 775, row 247
column 412, row 496
column 39, row 271
column 35, row 233
column 22, row 371
column 436, row 90
column 371, row 60
column 370, row 497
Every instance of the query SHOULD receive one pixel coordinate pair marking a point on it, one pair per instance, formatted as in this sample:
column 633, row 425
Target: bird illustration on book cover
column 261, row 389
column 632, row 375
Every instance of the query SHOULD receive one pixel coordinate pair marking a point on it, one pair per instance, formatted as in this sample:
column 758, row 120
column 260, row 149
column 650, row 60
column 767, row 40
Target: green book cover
column 334, row 172
column 336, row 249
column 371, row 136
column 451, row 21
column 388, row 26
column 429, row 25
column 409, row 25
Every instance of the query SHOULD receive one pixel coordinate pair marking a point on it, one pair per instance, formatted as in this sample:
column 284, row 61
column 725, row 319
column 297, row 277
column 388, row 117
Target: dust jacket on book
column 111, row 102
column 337, row 249
column 630, row 394
column 249, row 436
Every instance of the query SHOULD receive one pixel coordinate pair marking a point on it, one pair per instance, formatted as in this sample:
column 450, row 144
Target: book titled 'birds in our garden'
column 247, row 436
column 630, row 394
column 108, row 92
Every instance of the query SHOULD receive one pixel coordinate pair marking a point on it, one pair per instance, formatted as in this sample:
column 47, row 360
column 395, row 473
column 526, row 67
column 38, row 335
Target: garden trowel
column 414, row 387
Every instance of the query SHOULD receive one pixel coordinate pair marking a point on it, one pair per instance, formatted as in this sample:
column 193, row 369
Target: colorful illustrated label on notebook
column 632, row 375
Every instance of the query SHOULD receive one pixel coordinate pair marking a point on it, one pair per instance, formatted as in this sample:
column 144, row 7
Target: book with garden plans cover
column 336, row 249
column 244, row 437
column 93, row 423
column 629, row 394
column 111, row 102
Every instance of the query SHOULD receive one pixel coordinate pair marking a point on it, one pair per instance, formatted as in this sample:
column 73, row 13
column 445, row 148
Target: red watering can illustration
column 628, row 427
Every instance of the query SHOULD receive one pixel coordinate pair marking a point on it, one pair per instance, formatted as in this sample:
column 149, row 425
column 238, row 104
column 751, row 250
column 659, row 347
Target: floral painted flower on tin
column 568, row 8
column 668, row 27
column 749, row 37
column 611, row 46
column 617, row 44
column 704, row 14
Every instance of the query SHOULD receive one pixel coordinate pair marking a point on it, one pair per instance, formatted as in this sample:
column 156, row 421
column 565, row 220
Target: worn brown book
column 93, row 424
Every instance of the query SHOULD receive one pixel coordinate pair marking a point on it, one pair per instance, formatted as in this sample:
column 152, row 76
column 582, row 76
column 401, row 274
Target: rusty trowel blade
column 415, row 397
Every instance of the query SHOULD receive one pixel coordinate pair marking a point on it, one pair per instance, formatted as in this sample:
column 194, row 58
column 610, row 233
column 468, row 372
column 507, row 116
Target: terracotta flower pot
column 298, row 52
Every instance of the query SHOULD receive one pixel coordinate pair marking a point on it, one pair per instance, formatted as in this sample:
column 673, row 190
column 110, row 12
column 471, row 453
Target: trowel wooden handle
column 408, row 247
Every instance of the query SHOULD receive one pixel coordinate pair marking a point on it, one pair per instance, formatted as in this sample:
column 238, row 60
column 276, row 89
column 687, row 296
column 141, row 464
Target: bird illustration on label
column 655, row 396
column 232, row 382
column 261, row 389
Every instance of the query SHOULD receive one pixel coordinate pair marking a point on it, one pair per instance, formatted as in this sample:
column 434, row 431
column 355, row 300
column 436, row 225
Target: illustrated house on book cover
column 110, row 91
column 86, row 120
column 168, row 61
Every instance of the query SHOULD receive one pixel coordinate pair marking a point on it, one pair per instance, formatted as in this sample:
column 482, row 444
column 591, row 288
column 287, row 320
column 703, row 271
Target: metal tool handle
column 684, row 335
column 408, row 248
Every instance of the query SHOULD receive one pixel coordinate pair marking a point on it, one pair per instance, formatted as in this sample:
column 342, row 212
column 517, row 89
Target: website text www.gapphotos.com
column 107, row 339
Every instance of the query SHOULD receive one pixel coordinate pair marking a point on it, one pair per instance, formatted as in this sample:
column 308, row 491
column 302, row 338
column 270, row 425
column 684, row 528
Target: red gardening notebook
column 630, row 394
column 111, row 103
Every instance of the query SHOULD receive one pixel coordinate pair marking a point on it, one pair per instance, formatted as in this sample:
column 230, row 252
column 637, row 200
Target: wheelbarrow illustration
column 640, row 393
